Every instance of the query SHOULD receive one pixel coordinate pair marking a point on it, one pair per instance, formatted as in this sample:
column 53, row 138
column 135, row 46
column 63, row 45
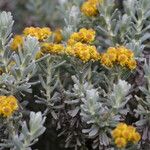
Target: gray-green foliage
column 29, row 135
column 6, row 23
column 49, row 77
column 108, row 23
column 143, row 108
column 139, row 13
column 25, row 67
column 71, row 16
column 24, row 139
column 120, row 91
column 73, row 131
column 96, row 114
column 82, row 104
column 17, row 68
column 103, row 114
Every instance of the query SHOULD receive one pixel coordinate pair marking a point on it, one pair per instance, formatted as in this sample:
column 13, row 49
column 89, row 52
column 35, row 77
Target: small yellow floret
column 136, row 137
column 75, row 36
column 122, row 126
column 122, row 59
column 17, row 41
column 121, row 142
column 12, row 102
column 6, row 111
column 89, row 8
column 58, row 37
column 116, row 133
column 132, row 64
column 87, row 35
column 106, row 61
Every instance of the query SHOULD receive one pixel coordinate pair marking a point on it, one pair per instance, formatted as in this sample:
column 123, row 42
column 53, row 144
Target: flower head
column 79, row 45
column 89, row 8
column 84, row 35
column 124, row 133
column 8, row 104
column 120, row 142
column 119, row 56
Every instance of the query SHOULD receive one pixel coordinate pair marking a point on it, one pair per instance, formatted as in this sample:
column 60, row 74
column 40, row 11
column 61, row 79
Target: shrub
column 88, row 82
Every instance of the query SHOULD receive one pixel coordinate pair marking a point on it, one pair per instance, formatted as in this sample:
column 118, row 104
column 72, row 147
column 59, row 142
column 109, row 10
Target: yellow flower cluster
column 84, row 36
column 40, row 33
column 124, row 133
column 50, row 48
column 89, row 8
column 83, row 51
column 120, row 56
column 79, row 45
column 8, row 104
column 17, row 41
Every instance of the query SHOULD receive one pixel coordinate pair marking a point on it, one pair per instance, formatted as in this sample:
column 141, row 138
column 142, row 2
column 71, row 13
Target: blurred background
column 33, row 13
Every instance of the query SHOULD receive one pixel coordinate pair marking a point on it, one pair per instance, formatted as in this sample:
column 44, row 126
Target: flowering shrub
column 86, row 84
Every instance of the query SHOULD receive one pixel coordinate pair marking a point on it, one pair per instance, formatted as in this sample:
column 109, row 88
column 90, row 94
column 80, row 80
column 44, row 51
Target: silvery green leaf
column 120, row 90
column 141, row 122
column 31, row 45
column 29, row 69
column 25, row 130
column 38, row 132
column 105, row 139
column 18, row 145
column 24, row 87
column 54, row 115
column 93, row 132
column 72, row 101
column 147, row 14
column 74, row 112
column 144, row 90
column 29, row 134
column 36, row 121
column 145, row 37
column 6, row 23
column 86, row 130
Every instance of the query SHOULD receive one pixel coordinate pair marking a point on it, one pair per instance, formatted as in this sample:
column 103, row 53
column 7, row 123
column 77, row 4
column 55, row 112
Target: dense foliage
column 75, row 76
